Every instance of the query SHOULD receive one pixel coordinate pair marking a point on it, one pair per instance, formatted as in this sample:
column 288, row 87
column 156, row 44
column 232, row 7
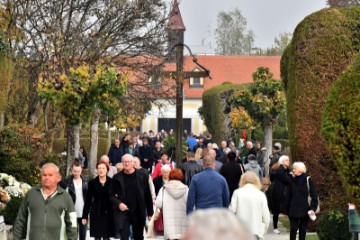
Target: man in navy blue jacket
column 208, row 189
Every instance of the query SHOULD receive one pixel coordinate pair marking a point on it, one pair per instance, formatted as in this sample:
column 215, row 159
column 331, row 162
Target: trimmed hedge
column 341, row 128
column 60, row 144
column 213, row 111
column 323, row 45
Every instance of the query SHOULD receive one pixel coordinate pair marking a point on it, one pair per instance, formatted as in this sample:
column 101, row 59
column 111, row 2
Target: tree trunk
column 268, row 134
column 73, row 144
column 109, row 134
column 2, row 120
column 34, row 113
column 94, row 142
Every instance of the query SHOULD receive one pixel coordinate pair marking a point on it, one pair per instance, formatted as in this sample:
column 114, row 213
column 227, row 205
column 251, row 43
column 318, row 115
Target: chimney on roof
column 176, row 29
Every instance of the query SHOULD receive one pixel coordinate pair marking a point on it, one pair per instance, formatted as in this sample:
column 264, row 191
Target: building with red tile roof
column 235, row 69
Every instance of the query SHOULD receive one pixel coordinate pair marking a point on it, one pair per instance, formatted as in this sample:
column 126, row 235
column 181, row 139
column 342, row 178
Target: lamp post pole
column 179, row 102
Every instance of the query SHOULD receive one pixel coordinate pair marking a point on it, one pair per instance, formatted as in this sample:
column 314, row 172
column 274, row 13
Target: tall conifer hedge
column 323, row 45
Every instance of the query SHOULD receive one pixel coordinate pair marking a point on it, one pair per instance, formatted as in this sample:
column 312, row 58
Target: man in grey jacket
column 47, row 211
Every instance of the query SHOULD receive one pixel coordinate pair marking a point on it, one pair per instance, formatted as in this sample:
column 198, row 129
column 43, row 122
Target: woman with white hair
column 279, row 181
column 250, row 205
column 163, row 179
column 301, row 187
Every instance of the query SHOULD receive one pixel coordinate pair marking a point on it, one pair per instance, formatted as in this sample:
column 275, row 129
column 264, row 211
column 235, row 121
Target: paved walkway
column 284, row 235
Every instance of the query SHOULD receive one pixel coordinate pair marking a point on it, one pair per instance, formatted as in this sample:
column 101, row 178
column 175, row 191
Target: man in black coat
column 146, row 155
column 232, row 172
column 131, row 198
column 115, row 152
column 251, row 149
column 157, row 152
column 190, row 168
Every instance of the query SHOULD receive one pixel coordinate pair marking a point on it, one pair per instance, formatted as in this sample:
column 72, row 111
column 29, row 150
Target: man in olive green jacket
column 47, row 211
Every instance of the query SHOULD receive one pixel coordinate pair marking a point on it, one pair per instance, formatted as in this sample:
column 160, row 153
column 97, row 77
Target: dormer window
column 196, row 82
column 155, row 82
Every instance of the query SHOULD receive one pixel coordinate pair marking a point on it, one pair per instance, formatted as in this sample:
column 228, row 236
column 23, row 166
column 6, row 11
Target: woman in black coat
column 280, row 180
column 99, row 206
column 299, row 207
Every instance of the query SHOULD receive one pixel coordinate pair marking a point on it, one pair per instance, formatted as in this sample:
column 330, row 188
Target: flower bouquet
column 11, row 193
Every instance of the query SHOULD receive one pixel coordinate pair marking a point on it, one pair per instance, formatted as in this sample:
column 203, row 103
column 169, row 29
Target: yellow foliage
column 240, row 119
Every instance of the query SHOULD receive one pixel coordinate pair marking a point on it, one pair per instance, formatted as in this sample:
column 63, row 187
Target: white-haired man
column 131, row 197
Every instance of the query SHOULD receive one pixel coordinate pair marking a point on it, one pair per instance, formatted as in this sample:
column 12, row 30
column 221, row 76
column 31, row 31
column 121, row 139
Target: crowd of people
column 137, row 176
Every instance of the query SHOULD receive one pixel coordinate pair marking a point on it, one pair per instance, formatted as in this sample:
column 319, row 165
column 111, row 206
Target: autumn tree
column 58, row 35
column 232, row 35
column 6, row 69
column 263, row 100
column 84, row 89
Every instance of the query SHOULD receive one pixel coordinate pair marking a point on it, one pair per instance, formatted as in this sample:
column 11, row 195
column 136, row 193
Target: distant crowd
column 216, row 193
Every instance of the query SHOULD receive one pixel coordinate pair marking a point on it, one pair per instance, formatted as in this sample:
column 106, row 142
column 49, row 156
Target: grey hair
column 46, row 165
column 105, row 158
column 204, row 224
column 166, row 167
column 301, row 166
column 282, row 158
column 208, row 161
column 127, row 155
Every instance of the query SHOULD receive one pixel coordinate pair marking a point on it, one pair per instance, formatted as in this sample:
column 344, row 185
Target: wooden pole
column 179, row 103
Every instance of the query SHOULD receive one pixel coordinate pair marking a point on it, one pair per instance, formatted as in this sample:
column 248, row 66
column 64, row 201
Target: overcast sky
column 267, row 18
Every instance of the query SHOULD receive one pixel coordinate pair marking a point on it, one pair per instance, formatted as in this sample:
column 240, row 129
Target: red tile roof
column 235, row 69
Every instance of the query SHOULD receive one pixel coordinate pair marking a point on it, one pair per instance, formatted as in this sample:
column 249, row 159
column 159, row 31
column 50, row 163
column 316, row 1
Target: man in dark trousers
column 131, row 197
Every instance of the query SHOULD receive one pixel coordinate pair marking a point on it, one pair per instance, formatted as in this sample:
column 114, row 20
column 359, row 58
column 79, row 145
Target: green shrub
column 340, row 128
column 11, row 210
column 212, row 110
column 333, row 225
column 170, row 147
column 323, row 45
column 22, row 152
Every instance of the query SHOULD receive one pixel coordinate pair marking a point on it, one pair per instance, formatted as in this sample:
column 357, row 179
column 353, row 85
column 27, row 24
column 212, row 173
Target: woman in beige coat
column 250, row 205
column 172, row 200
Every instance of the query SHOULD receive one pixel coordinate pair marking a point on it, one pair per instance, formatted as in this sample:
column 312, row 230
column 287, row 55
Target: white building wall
column 168, row 110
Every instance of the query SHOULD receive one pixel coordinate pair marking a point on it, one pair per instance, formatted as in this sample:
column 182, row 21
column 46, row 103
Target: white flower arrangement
column 9, row 187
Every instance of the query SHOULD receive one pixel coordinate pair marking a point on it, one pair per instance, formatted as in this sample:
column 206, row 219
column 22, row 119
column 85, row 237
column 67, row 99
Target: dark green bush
column 212, row 110
column 322, row 47
column 340, row 128
column 333, row 225
column 11, row 210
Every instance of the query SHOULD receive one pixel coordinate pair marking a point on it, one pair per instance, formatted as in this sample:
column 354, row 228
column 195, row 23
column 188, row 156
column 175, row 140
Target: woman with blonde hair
column 198, row 153
column 250, row 205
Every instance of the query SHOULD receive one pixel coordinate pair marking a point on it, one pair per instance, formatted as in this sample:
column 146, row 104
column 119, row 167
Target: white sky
column 267, row 18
